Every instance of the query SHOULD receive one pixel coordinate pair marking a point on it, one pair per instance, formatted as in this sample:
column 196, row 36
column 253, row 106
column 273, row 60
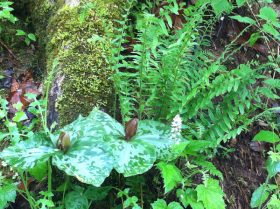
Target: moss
column 86, row 83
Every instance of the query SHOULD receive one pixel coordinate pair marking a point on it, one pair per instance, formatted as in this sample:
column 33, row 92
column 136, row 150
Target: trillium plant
column 91, row 147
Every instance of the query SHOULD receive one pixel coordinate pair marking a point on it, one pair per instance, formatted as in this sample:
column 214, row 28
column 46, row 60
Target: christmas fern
column 170, row 72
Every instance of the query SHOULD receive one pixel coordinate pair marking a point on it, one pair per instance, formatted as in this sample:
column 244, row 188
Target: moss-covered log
column 82, row 77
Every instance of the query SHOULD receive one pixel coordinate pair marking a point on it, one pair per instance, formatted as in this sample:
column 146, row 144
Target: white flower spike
column 176, row 128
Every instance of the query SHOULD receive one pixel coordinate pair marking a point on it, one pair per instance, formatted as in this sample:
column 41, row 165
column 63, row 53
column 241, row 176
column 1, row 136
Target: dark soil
column 243, row 170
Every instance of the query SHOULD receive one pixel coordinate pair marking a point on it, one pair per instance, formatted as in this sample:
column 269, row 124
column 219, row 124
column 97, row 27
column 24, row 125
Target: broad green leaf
column 27, row 41
column 189, row 197
column 3, row 114
column 254, row 38
column 268, row 14
column 211, row 194
column 97, row 193
column 171, row 175
column 7, row 194
column 131, row 202
column 267, row 136
column 20, row 116
column 159, row 204
column 76, row 200
column 32, row 37
column 243, row 19
column 6, row 4
column 45, row 203
column 240, row 2
column 174, row 205
column 177, row 150
column 273, row 167
column 196, row 146
column 278, row 147
column 274, row 202
column 259, row 196
column 221, row 6
column 270, row 29
column 39, row 172
column 20, row 33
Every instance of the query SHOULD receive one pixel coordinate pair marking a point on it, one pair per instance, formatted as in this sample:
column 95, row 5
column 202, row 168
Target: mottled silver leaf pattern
column 98, row 145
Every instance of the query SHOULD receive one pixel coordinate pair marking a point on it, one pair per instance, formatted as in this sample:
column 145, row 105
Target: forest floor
column 243, row 170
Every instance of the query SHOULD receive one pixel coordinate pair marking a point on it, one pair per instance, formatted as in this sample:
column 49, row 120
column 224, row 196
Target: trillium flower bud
column 63, row 142
column 131, row 128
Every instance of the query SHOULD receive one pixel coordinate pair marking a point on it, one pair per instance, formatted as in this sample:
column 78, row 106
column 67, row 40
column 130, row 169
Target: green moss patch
column 86, row 76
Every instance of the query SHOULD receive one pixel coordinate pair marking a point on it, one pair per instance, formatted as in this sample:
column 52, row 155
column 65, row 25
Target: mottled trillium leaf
column 25, row 154
column 131, row 158
column 98, row 145
column 106, row 123
column 158, row 135
column 96, row 123
column 86, row 161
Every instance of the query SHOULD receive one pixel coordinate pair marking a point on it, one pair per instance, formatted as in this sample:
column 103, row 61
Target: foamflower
column 176, row 128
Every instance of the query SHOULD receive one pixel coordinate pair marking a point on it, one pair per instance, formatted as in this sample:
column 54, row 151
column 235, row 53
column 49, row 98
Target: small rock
column 256, row 146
